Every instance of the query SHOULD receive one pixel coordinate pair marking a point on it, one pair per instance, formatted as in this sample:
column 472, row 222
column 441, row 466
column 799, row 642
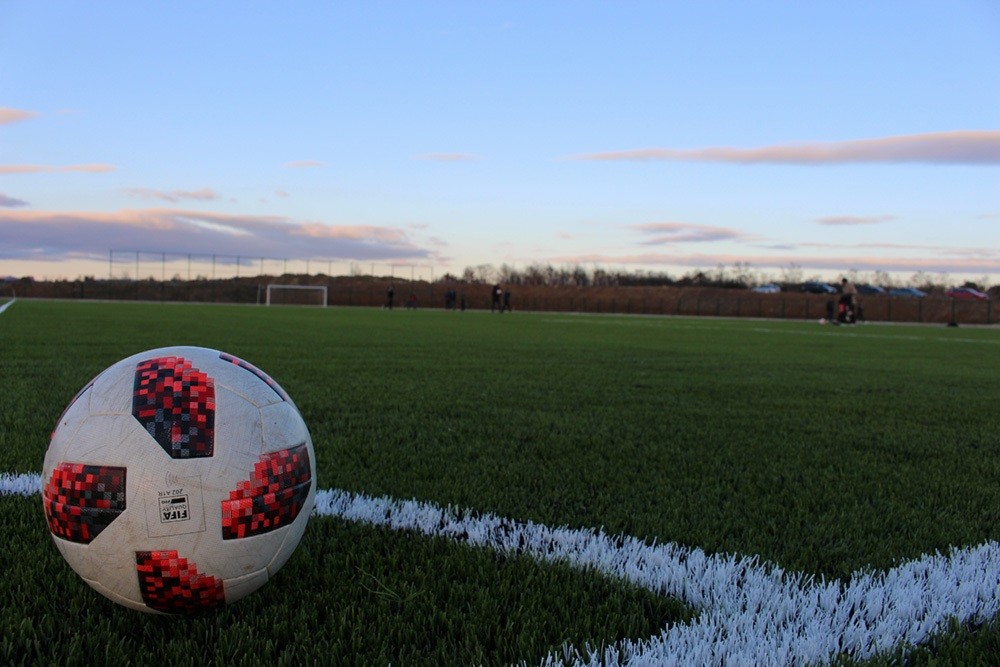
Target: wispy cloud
column 10, row 202
column 94, row 168
column 682, row 232
column 368, row 233
column 447, row 157
column 960, row 147
column 204, row 194
column 848, row 220
column 304, row 164
column 8, row 115
column 55, row 235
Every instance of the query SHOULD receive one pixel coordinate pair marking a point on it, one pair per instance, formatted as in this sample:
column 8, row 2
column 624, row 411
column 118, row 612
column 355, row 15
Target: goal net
column 296, row 295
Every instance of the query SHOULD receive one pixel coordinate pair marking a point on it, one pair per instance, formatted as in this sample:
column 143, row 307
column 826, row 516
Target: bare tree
column 791, row 274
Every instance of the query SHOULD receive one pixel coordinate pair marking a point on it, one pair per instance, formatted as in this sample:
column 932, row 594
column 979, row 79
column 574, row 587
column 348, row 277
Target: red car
column 967, row 294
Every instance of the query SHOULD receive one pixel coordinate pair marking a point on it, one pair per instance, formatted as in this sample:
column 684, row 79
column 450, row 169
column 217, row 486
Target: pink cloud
column 959, row 147
column 8, row 115
column 54, row 235
column 204, row 194
column 682, row 232
column 847, row 220
column 355, row 232
column 94, row 168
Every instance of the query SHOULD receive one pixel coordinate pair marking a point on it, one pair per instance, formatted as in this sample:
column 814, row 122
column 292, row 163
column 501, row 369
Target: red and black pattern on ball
column 81, row 500
column 256, row 371
column 173, row 584
column 272, row 497
column 175, row 403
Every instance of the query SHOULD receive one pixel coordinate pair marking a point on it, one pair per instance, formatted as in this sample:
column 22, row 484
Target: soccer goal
column 296, row 295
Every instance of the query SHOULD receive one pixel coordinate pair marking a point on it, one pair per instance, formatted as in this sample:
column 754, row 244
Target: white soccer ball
column 178, row 480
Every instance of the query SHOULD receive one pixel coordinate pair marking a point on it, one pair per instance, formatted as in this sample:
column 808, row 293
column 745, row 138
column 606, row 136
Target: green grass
column 822, row 449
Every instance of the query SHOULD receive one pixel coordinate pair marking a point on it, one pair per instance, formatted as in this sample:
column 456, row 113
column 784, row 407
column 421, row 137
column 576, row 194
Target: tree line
column 741, row 275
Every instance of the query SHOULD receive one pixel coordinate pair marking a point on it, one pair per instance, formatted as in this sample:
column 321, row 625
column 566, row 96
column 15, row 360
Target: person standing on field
column 389, row 293
column 495, row 298
column 849, row 299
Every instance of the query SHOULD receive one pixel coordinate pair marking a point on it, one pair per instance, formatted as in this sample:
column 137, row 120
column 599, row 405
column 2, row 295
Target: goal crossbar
column 276, row 287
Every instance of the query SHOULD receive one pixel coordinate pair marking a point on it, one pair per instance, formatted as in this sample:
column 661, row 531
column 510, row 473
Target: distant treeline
column 741, row 275
column 738, row 276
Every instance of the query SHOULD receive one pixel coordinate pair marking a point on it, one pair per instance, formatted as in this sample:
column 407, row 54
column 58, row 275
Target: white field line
column 855, row 334
column 7, row 305
column 833, row 331
column 749, row 612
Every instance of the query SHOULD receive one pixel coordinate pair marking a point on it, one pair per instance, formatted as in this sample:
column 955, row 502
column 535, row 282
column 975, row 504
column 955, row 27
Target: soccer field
column 585, row 487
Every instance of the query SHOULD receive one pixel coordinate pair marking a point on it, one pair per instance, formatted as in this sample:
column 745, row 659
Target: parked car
column 769, row 288
column 967, row 294
column 814, row 287
column 907, row 291
column 870, row 290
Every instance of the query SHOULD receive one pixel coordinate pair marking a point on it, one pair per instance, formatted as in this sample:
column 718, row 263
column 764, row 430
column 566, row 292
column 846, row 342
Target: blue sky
column 664, row 136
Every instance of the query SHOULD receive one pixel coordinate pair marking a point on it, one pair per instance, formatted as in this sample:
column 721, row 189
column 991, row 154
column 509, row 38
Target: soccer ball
column 178, row 480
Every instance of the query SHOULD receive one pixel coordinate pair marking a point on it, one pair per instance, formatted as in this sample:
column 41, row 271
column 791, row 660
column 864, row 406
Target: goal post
column 295, row 295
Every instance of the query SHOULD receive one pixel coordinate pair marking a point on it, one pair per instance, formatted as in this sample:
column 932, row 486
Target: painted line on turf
column 854, row 334
column 7, row 305
column 693, row 323
column 750, row 612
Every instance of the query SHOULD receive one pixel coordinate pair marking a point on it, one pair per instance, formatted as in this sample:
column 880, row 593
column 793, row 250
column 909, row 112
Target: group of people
column 848, row 306
column 390, row 296
column 499, row 299
column 451, row 298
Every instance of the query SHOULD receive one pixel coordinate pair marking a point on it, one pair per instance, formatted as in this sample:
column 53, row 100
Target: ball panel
column 271, row 498
column 240, row 587
column 112, row 390
column 264, row 377
column 135, row 602
column 63, row 434
column 292, row 536
column 79, row 395
column 175, row 402
column 82, row 500
column 172, row 584
column 283, row 427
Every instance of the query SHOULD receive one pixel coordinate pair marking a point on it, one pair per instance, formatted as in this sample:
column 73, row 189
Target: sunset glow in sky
column 664, row 136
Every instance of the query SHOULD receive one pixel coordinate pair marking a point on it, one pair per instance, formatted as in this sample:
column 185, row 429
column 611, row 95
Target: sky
column 787, row 138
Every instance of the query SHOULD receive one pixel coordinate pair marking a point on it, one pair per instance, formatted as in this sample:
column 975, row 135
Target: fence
column 368, row 291
column 139, row 265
